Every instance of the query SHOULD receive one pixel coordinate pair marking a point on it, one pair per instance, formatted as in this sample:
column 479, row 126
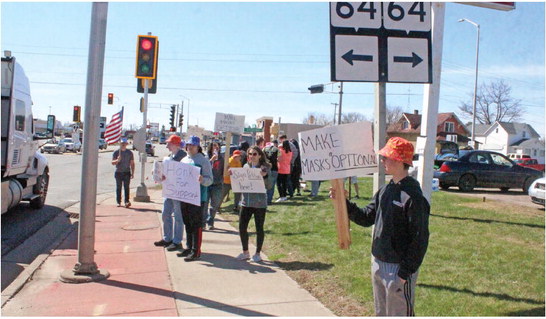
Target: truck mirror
column 50, row 126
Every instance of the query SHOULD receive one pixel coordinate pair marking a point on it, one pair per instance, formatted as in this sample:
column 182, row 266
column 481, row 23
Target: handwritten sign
column 229, row 123
column 247, row 180
column 337, row 152
column 181, row 182
column 157, row 171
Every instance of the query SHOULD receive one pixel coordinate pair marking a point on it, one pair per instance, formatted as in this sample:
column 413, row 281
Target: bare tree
column 393, row 114
column 494, row 103
column 317, row 119
column 352, row 117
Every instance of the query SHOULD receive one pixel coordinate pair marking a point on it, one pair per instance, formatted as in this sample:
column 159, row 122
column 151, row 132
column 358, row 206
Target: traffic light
column 181, row 120
column 319, row 88
column 77, row 113
column 173, row 115
column 110, row 98
column 146, row 57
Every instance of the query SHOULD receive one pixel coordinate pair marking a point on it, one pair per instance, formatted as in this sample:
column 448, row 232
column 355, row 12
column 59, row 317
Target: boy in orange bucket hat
column 400, row 236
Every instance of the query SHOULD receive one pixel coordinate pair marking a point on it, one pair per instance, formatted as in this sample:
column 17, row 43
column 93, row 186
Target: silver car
column 53, row 146
column 536, row 191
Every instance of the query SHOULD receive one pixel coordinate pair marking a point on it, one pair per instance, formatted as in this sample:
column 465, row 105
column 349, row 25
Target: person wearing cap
column 193, row 214
column 124, row 161
column 173, row 226
column 215, row 190
column 234, row 161
column 400, row 236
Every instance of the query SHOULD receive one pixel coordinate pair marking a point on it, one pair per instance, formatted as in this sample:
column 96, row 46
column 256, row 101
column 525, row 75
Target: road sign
column 253, row 129
column 381, row 42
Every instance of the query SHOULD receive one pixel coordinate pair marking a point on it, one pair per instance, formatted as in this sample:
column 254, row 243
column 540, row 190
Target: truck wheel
column 40, row 188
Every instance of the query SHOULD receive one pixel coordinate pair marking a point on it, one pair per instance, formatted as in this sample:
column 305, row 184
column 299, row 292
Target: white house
column 503, row 137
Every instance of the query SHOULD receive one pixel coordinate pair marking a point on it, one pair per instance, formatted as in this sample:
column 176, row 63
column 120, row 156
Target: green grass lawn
column 482, row 260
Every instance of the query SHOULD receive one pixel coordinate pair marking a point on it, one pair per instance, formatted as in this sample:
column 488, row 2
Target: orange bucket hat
column 398, row 149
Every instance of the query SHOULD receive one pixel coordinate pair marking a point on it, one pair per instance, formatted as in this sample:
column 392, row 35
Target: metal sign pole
column 86, row 269
column 379, row 132
column 142, row 190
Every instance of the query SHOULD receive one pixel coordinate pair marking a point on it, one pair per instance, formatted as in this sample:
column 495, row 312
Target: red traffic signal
column 77, row 114
column 146, row 57
column 110, row 98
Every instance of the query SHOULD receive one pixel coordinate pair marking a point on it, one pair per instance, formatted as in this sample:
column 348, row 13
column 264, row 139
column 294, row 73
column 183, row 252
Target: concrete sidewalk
column 149, row 281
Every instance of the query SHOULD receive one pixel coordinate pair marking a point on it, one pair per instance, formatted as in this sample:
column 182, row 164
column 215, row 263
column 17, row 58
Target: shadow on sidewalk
column 230, row 262
column 184, row 297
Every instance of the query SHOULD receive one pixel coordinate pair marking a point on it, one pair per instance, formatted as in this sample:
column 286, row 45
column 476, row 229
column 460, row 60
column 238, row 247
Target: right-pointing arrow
column 414, row 59
column 349, row 57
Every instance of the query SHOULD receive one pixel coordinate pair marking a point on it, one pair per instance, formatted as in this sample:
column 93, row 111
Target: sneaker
column 357, row 197
column 119, row 205
column 127, row 204
column 211, row 227
column 192, row 257
column 281, row 199
column 257, row 258
column 162, row 243
column 185, row 253
column 173, row 247
column 244, row 256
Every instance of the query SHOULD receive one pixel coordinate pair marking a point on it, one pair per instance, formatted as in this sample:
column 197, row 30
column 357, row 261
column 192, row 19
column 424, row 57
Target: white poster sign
column 337, row 152
column 247, row 180
column 181, row 182
column 229, row 123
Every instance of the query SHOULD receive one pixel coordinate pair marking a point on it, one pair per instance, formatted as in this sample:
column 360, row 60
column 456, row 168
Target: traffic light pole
column 142, row 190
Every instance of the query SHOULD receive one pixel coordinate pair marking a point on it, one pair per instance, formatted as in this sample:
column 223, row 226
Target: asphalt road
column 65, row 187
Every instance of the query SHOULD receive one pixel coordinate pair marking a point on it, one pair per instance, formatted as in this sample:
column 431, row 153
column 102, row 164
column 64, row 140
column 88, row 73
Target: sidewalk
column 149, row 281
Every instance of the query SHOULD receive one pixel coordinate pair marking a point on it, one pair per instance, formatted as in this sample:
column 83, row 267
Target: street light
column 476, row 80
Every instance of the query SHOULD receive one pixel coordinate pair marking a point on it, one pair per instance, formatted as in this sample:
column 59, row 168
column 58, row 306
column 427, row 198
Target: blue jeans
column 209, row 210
column 271, row 192
column 315, row 187
column 172, row 211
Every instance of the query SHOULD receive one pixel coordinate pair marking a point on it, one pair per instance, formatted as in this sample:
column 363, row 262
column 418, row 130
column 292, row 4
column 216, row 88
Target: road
column 22, row 222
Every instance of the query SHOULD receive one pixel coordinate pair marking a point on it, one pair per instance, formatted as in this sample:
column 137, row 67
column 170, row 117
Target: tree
column 494, row 103
column 352, row 117
column 393, row 114
column 317, row 119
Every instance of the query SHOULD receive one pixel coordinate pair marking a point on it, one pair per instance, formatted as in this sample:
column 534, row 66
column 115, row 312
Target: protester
column 243, row 146
column 260, row 141
column 254, row 204
column 193, row 214
column 283, row 180
column 295, row 169
column 234, row 161
column 295, row 154
column 400, row 236
column 215, row 190
column 353, row 180
column 125, row 170
column 172, row 231
column 271, row 152
column 315, row 185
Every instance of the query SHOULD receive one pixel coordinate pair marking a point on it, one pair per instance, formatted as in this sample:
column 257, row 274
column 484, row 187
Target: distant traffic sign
column 381, row 42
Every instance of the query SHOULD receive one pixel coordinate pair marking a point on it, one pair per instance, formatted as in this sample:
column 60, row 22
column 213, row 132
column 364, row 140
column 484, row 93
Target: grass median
column 484, row 259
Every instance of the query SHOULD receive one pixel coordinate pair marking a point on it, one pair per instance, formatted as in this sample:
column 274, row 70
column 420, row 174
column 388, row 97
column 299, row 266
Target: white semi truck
column 25, row 173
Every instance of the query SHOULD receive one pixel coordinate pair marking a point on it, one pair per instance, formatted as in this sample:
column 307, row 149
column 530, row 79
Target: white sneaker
column 281, row 199
column 244, row 256
column 256, row 258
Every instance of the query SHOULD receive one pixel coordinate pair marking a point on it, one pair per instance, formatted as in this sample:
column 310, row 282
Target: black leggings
column 122, row 179
column 193, row 220
column 284, row 185
column 259, row 219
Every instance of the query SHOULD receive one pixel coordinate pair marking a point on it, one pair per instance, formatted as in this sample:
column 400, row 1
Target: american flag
column 113, row 129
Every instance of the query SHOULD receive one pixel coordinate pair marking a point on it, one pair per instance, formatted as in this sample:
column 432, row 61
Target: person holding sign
column 254, row 204
column 173, row 226
column 193, row 214
column 400, row 237
column 234, row 161
column 125, row 170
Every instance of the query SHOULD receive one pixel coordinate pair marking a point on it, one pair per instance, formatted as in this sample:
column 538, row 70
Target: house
column 450, row 128
column 518, row 138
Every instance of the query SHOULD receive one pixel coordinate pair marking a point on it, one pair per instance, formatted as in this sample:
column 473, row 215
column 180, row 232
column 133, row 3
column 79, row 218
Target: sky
column 256, row 59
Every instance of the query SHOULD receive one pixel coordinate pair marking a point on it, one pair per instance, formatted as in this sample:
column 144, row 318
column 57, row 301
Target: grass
column 484, row 259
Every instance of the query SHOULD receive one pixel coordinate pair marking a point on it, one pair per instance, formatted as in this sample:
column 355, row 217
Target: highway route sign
column 381, row 42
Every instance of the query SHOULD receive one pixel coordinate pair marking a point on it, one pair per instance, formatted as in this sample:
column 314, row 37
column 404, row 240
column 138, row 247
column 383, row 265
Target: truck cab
column 24, row 170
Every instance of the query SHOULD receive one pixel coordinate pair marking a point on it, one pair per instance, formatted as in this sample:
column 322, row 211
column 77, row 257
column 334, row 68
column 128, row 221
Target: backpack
column 271, row 154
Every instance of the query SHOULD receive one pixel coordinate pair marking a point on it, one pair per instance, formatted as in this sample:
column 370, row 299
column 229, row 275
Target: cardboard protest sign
column 157, row 171
column 337, row 151
column 247, row 180
column 229, row 123
column 181, row 182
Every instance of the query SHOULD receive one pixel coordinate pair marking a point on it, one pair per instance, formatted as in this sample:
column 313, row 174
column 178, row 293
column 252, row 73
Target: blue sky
column 256, row 59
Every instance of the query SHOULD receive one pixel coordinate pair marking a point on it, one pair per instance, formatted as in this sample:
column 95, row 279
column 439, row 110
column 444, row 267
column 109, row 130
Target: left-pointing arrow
column 349, row 57
column 414, row 59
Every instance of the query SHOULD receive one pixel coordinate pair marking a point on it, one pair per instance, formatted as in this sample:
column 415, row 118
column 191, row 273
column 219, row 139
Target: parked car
column 529, row 162
column 485, row 169
column 71, row 145
column 150, row 148
column 102, row 144
column 53, row 146
column 536, row 191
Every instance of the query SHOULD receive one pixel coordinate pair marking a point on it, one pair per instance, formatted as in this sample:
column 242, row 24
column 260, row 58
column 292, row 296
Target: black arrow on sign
column 349, row 57
column 414, row 59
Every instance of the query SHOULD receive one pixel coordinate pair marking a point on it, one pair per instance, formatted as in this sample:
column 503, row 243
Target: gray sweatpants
column 391, row 297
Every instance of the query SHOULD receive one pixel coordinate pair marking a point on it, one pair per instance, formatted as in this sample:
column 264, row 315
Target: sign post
column 229, row 123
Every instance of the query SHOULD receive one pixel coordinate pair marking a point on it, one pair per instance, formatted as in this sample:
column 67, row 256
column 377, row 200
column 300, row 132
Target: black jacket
column 400, row 214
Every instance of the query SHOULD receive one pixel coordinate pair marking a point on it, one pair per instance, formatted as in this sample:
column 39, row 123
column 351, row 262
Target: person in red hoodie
column 283, row 163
